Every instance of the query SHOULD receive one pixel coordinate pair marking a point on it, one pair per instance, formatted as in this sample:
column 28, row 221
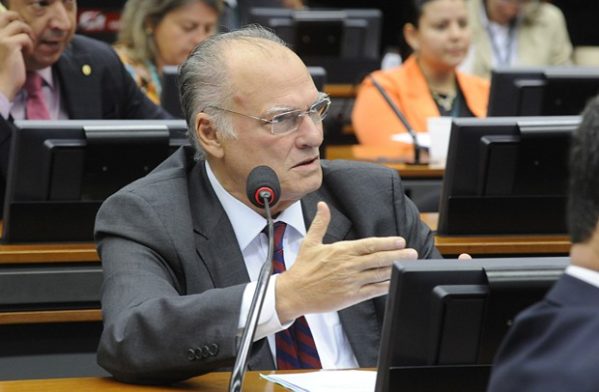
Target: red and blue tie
column 295, row 345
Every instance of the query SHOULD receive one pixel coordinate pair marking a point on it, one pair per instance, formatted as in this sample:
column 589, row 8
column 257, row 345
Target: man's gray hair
column 204, row 81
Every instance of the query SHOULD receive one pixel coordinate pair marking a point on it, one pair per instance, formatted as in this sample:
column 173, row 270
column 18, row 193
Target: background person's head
column 583, row 195
column 53, row 24
column 438, row 33
column 165, row 31
column 232, row 77
column 504, row 12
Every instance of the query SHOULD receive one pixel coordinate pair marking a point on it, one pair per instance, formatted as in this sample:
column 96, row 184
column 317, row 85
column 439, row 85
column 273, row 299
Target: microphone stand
column 236, row 381
column 402, row 118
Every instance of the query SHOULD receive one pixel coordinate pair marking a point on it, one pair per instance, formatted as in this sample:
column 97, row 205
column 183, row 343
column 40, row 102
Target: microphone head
column 263, row 182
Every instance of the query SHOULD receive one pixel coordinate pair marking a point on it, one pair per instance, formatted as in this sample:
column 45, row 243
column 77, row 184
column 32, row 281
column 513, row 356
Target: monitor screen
column 343, row 41
column 551, row 91
column 169, row 97
column 61, row 171
column 506, row 175
column 445, row 319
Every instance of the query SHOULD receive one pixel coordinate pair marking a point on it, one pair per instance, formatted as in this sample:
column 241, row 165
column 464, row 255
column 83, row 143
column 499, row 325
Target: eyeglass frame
column 322, row 97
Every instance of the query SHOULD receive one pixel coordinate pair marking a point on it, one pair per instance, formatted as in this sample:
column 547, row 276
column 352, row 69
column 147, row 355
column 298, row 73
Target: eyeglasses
column 290, row 121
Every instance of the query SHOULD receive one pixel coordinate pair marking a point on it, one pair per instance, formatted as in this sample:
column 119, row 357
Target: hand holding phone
column 15, row 38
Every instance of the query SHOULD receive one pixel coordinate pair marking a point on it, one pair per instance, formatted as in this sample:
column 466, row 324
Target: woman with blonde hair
column 155, row 33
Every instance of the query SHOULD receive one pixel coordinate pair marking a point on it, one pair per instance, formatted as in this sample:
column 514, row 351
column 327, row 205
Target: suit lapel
column 360, row 322
column 215, row 240
column 216, row 246
column 80, row 92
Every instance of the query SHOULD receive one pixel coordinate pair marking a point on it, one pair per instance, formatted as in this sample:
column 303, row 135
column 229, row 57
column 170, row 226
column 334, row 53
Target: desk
column 341, row 90
column 405, row 170
column 505, row 245
column 212, row 382
column 59, row 254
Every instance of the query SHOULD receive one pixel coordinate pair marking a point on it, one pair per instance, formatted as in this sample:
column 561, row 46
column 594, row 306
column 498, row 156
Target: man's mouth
column 306, row 162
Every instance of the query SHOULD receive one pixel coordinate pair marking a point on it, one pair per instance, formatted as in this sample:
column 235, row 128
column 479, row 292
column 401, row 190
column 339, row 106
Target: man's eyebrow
column 280, row 109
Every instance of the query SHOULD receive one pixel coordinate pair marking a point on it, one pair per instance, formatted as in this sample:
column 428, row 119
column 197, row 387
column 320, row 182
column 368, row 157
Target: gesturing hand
column 329, row 277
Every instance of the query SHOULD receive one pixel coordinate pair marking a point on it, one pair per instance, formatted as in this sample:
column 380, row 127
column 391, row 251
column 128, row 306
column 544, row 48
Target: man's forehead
column 253, row 69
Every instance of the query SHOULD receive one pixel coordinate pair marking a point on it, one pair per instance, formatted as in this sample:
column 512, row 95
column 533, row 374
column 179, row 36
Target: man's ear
column 410, row 33
column 208, row 136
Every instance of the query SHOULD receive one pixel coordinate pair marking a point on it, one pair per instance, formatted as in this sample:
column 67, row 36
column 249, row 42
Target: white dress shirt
column 331, row 342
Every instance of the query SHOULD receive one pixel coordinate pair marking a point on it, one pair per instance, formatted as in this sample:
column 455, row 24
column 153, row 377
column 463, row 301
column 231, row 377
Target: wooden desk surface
column 484, row 244
column 541, row 244
column 405, row 170
column 212, row 382
column 341, row 90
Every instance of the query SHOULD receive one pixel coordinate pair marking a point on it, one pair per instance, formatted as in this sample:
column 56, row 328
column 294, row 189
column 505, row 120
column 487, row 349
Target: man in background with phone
column 49, row 72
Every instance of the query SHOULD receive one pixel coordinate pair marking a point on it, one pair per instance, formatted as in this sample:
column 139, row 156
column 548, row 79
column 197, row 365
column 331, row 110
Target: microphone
column 263, row 190
column 401, row 117
column 263, row 183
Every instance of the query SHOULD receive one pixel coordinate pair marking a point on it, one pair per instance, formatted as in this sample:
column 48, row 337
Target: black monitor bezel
column 409, row 351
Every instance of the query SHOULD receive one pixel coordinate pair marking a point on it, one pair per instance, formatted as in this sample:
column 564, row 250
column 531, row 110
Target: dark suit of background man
column 554, row 345
column 82, row 78
column 180, row 246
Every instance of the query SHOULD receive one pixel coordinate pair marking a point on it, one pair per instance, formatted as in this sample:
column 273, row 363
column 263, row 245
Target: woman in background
column 155, row 33
column 425, row 85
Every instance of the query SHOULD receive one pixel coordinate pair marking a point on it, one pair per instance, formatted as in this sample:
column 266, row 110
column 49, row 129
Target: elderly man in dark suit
column 46, row 72
column 182, row 247
column 553, row 345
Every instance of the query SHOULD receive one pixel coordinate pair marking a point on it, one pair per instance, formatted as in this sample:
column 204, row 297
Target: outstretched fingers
column 319, row 225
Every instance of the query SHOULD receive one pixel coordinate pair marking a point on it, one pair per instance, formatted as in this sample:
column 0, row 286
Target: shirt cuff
column 5, row 106
column 268, row 322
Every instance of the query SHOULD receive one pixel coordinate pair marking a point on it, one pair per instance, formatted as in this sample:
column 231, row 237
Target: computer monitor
column 169, row 97
column 343, row 41
column 61, row 171
column 550, row 91
column 170, row 101
column 506, row 175
column 445, row 319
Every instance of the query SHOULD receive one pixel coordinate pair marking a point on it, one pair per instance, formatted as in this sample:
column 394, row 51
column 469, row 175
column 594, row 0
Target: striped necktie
column 35, row 107
column 295, row 345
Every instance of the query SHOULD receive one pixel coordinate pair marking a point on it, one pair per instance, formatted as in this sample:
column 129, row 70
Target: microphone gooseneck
column 401, row 117
column 263, row 190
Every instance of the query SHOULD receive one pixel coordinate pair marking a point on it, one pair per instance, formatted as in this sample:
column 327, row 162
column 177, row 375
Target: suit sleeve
column 6, row 130
column 561, row 49
column 154, row 332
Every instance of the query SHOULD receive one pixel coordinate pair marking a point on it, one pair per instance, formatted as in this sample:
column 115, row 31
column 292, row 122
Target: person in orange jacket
column 425, row 85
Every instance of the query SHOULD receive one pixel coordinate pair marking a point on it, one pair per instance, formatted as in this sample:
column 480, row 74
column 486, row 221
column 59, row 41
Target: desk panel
column 212, row 382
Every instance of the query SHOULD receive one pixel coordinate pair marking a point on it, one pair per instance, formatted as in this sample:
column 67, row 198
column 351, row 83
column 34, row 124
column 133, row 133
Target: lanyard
column 506, row 59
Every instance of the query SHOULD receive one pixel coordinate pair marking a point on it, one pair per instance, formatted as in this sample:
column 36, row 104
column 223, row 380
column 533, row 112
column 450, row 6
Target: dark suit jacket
column 107, row 93
column 554, row 345
column 174, row 274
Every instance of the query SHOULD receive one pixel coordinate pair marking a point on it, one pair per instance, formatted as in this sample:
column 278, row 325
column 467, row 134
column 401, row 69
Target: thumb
column 319, row 225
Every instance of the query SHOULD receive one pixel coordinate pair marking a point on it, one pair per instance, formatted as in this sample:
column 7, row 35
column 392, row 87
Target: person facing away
column 553, row 346
column 426, row 85
column 48, row 72
column 155, row 33
column 182, row 247
column 516, row 33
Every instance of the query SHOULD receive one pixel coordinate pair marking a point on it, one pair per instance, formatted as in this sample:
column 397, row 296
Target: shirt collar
column 247, row 223
column 584, row 274
column 46, row 74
